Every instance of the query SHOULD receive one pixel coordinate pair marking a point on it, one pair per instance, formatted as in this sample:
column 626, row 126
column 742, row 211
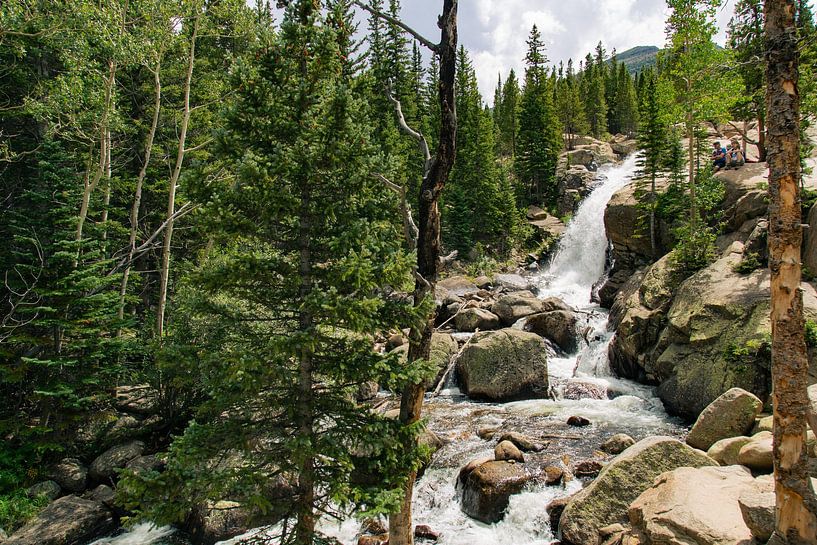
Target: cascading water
column 612, row 405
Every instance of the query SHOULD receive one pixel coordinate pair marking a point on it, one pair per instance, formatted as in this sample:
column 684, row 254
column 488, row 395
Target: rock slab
column 69, row 520
column 693, row 505
column 488, row 488
column 607, row 499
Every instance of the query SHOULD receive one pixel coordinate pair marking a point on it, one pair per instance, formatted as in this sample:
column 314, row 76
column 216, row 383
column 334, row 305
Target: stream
column 581, row 385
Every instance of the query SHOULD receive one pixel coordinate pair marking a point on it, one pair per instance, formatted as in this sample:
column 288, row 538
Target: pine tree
column 540, row 135
column 570, row 107
column 280, row 316
column 627, row 103
column 509, row 116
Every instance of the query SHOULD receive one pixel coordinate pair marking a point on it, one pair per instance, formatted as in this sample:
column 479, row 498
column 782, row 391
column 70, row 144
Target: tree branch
column 409, row 227
column 417, row 135
column 419, row 37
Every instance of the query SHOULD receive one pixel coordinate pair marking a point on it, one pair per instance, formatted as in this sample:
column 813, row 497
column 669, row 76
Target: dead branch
column 417, row 135
column 419, row 37
column 453, row 362
column 410, row 230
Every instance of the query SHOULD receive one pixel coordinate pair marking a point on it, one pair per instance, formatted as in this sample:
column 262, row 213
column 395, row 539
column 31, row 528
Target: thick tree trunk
column 140, row 180
column 761, row 138
column 428, row 247
column 164, row 268
column 796, row 508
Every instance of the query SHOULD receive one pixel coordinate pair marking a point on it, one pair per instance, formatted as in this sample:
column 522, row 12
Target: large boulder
column 475, row 318
column 563, row 327
column 138, row 399
column 726, row 451
column 730, row 415
column 514, row 306
column 487, row 489
column 511, row 282
column 222, row 520
column 757, row 507
column 504, row 365
column 693, row 505
column 573, row 183
column 443, row 348
column 606, row 500
column 70, row 474
column 105, row 465
column 69, row 520
column 757, row 454
column 458, row 286
column 592, row 154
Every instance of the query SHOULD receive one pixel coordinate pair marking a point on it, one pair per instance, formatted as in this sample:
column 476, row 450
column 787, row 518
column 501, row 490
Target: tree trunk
column 106, row 203
column 91, row 184
column 137, row 197
column 653, row 202
column 693, row 200
column 796, row 508
column 428, row 248
column 761, row 138
column 164, row 268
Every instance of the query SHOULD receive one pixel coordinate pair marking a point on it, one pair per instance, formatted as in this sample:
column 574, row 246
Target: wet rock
column 563, row 327
column 488, row 488
column 222, row 520
column 373, row 526
column 105, row 465
column 583, row 389
column 757, row 453
column 554, row 510
column 487, row 433
column 472, row 319
column 514, row 306
column 617, row 443
column 382, row 539
column 103, row 494
column 466, row 470
column 48, row 489
column 578, row 421
column 139, row 399
column 505, row 450
column 690, row 505
column 423, row 531
column 70, row 474
column 69, row 520
column 524, row 442
column 757, row 508
column 504, row 365
column 730, row 415
column 605, row 500
column 511, row 282
column 367, row 391
column 553, row 475
column 725, row 451
column 587, row 468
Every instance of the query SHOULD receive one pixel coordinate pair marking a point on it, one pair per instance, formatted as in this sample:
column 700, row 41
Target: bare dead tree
column 796, row 506
column 435, row 176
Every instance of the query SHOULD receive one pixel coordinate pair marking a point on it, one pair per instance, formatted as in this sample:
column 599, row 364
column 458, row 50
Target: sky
column 494, row 31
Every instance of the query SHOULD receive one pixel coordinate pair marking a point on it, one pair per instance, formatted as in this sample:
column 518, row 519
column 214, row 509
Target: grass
column 17, row 508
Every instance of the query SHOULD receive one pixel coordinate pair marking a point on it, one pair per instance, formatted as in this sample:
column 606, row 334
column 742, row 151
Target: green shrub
column 17, row 508
column 749, row 263
column 811, row 333
column 695, row 248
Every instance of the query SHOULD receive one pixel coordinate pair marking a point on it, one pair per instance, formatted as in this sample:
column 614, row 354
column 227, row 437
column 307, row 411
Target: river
column 623, row 407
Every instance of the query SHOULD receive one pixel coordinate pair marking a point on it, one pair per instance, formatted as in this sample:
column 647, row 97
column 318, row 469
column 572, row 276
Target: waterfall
column 579, row 259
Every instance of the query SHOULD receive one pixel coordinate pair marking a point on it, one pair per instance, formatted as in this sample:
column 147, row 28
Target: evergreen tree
column 627, row 103
column 540, row 134
column 509, row 116
column 570, row 107
column 595, row 103
column 281, row 314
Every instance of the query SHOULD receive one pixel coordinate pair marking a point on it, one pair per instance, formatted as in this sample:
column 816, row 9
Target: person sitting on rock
column 718, row 157
column 734, row 156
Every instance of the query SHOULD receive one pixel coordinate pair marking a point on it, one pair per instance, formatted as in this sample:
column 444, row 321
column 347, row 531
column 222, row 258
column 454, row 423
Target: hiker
column 734, row 156
column 718, row 157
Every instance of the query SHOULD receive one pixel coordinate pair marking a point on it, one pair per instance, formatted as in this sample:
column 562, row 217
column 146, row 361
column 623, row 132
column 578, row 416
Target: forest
column 220, row 217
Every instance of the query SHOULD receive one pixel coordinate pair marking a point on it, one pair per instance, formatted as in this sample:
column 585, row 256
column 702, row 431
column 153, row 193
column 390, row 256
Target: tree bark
column 164, row 268
column 428, row 248
column 796, row 508
column 140, row 180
